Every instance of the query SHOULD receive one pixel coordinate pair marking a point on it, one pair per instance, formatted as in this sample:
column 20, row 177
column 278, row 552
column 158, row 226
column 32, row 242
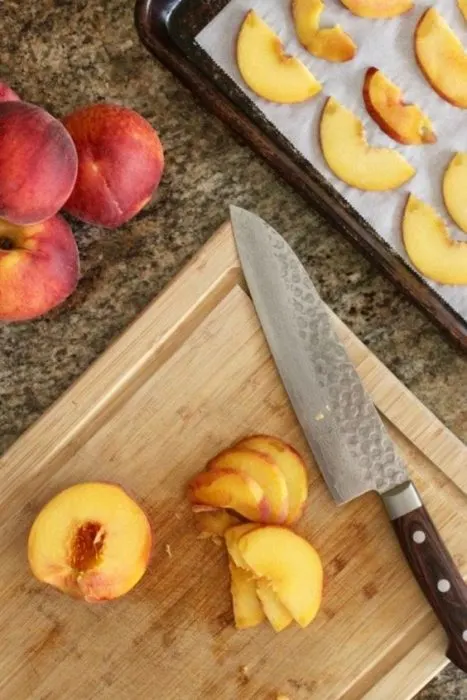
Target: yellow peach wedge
column 442, row 58
column 248, row 611
column 276, row 613
column 267, row 69
column 429, row 247
column 329, row 43
column 214, row 522
column 230, row 489
column 405, row 123
column 264, row 471
column 91, row 541
column 352, row 159
column 291, row 566
column 290, row 464
column 454, row 189
column 378, row 9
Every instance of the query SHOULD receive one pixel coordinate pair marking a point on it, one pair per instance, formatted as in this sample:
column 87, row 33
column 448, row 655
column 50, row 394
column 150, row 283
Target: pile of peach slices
column 275, row 574
column 278, row 77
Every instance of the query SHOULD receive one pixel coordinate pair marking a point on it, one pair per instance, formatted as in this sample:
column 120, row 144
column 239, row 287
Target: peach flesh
column 38, row 164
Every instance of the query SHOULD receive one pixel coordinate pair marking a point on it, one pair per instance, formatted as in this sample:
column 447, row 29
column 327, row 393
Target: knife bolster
column 402, row 499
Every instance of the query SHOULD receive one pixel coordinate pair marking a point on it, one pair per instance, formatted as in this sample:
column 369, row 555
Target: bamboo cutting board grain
column 189, row 377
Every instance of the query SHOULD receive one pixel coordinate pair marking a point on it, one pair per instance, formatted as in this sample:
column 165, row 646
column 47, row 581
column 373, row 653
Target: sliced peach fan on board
column 405, row 123
column 329, row 43
column 352, row 159
column 267, row 69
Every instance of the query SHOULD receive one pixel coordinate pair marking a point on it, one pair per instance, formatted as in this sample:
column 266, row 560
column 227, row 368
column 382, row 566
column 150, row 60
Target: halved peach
column 330, row 43
column 378, row 9
column 405, row 123
column 263, row 470
column 276, row 613
column 429, row 246
column 215, row 522
column 230, row 489
column 91, row 541
column 290, row 464
column 442, row 57
column 247, row 608
column 352, row 159
column 267, row 69
column 291, row 565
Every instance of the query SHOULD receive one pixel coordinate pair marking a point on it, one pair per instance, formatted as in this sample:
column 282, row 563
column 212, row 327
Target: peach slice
column 462, row 4
column 352, row 159
column 267, row 69
column 215, row 522
column 378, row 9
column 248, row 611
column 276, row 613
column 429, row 246
column 330, row 43
column 454, row 189
column 442, row 58
column 264, row 471
column 230, row 489
column 291, row 565
column 232, row 538
column 91, row 541
column 290, row 464
column 405, row 123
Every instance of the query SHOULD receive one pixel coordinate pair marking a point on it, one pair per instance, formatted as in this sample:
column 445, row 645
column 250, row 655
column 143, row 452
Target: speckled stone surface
column 66, row 53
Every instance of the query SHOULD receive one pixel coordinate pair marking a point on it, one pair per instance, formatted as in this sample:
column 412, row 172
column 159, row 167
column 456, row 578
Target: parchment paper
column 385, row 44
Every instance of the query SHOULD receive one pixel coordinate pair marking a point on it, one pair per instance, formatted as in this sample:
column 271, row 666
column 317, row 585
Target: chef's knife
column 340, row 422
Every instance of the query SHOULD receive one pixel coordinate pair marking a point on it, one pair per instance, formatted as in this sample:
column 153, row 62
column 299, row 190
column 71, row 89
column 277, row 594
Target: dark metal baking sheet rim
column 167, row 28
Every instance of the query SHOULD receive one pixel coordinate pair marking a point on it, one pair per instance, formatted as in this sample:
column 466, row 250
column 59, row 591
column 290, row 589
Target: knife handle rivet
column 419, row 536
column 443, row 585
column 464, row 635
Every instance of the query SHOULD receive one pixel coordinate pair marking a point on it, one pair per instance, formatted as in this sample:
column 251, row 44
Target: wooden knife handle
column 432, row 565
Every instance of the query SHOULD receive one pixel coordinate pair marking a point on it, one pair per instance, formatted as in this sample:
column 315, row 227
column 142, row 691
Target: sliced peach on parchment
column 291, row 465
column 267, row 69
column 378, row 9
column 290, row 564
column 405, row 123
column 455, row 189
column 352, row 159
column 264, row 471
column 429, row 247
column 330, row 43
column 277, row 614
column 230, row 489
column 247, row 608
column 442, row 58
column 91, row 541
column 215, row 521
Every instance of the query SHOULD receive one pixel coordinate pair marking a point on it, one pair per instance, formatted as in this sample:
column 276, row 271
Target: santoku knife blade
column 340, row 422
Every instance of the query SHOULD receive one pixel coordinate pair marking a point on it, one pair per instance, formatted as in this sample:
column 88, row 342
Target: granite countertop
column 65, row 53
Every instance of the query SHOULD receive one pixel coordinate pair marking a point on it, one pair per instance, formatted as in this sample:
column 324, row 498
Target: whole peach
column 120, row 164
column 7, row 94
column 38, row 163
column 39, row 267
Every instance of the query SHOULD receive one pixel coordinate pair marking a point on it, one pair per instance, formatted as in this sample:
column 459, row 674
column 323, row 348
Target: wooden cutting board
column 189, row 377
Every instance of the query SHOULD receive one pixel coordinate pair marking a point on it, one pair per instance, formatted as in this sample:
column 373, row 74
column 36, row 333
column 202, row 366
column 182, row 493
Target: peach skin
column 39, row 268
column 38, row 163
column 91, row 541
column 120, row 164
column 230, row 489
column 7, row 94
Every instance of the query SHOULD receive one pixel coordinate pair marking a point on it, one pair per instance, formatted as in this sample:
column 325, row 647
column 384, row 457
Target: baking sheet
column 385, row 44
